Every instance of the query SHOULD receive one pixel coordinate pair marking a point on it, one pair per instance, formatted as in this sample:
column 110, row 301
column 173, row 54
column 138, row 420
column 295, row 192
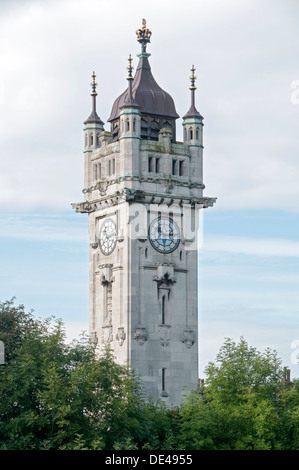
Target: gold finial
column 193, row 78
column 130, row 68
column 143, row 35
column 93, row 84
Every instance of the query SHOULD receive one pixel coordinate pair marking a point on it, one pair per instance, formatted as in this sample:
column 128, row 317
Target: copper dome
column 149, row 96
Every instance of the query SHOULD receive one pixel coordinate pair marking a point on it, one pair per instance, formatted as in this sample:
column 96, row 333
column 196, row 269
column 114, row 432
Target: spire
column 143, row 36
column 94, row 118
column 129, row 100
column 192, row 111
column 143, row 88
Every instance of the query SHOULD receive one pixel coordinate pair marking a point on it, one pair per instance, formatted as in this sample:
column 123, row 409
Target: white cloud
column 74, row 330
column 244, row 68
column 250, row 246
column 44, row 228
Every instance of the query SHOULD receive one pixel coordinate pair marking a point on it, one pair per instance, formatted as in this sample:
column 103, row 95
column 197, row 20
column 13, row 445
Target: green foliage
column 245, row 404
column 59, row 396
column 240, row 369
column 64, row 396
column 14, row 322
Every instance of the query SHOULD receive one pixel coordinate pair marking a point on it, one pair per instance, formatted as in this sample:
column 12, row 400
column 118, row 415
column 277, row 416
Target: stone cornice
column 143, row 197
column 167, row 183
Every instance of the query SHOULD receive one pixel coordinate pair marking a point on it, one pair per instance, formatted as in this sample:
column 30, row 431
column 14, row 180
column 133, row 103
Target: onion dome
column 149, row 96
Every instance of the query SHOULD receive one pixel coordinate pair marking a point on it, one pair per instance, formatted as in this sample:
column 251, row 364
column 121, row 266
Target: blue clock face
column 164, row 235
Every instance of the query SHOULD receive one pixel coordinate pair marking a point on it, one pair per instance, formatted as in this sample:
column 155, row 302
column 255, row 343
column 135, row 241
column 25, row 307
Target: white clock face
column 107, row 239
column 164, row 235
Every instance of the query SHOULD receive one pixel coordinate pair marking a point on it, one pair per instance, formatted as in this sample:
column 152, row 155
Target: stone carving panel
column 164, row 334
column 188, row 338
column 140, row 335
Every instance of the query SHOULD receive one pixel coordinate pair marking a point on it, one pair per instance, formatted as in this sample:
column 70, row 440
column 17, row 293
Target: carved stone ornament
column 188, row 338
column 164, row 333
column 140, row 335
column 120, row 335
column 165, row 274
column 107, row 336
column 167, row 185
column 106, row 274
column 102, row 187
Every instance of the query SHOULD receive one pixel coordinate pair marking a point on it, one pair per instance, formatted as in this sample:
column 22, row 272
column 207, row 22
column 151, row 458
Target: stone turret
column 193, row 127
column 129, row 130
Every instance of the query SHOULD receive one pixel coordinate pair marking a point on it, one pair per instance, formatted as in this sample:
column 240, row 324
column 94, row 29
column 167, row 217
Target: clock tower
column 143, row 194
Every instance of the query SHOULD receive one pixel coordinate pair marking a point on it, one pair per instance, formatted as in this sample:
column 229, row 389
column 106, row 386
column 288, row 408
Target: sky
column 246, row 59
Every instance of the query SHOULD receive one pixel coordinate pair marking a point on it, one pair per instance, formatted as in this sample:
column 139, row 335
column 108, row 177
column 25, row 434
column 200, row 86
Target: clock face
column 107, row 239
column 164, row 235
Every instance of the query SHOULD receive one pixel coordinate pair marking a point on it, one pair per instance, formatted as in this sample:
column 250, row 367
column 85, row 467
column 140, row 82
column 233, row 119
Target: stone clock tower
column 143, row 192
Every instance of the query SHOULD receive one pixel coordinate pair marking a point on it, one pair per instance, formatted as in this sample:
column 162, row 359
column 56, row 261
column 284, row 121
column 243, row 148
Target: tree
column 240, row 369
column 245, row 404
column 14, row 322
column 64, row 396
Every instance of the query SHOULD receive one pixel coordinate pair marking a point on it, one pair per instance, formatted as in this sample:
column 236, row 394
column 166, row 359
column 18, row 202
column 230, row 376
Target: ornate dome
column 149, row 96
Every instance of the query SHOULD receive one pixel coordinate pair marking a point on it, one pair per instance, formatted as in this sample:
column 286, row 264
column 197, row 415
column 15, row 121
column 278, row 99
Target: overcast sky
column 246, row 58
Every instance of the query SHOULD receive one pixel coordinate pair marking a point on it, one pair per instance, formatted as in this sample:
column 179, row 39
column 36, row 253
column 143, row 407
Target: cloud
column 244, row 68
column 264, row 247
column 44, row 228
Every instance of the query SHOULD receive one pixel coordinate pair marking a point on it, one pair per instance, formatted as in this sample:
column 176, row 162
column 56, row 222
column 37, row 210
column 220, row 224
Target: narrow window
column 163, row 379
column 197, row 133
column 145, row 252
column 150, row 159
column 134, row 125
column 157, row 162
column 109, row 167
column 173, row 167
column 95, row 172
column 113, row 166
column 91, row 139
column 181, row 168
column 128, row 125
column 181, row 255
column 190, row 133
column 163, row 310
column 86, row 140
column 100, row 171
